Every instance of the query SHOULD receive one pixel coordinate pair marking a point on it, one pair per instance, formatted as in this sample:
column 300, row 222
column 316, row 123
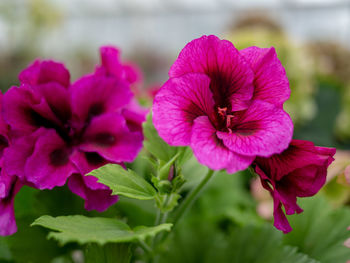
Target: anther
column 222, row 111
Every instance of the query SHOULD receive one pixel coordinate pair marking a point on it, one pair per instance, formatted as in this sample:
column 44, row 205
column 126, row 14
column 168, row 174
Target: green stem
column 157, row 217
column 192, row 196
column 146, row 247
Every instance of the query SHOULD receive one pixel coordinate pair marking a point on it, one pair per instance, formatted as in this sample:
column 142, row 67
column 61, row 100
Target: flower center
column 225, row 119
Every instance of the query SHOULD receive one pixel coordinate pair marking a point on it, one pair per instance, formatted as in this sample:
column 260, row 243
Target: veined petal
column 178, row 103
column 109, row 136
column 231, row 76
column 271, row 82
column 263, row 129
column 210, row 151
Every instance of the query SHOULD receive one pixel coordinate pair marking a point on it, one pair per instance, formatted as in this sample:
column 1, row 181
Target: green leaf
column 5, row 253
column 109, row 253
column 254, row 244
column 98, row 230
column 29, row 244
column 200, row 241
column 124, row 182
column 159, row 148
column 320, row 231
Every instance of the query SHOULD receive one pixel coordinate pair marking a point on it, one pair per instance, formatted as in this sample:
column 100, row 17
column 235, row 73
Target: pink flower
column 9, row 185
column 60, row 132
column 225, row 104
column 299, row 171
column 111, row 66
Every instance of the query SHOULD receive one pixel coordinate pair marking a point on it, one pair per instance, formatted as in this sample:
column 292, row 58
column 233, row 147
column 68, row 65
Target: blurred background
column 312, row 39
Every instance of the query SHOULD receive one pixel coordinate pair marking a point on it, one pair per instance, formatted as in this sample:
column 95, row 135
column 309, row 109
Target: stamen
column 222, row 111
column 228, row 120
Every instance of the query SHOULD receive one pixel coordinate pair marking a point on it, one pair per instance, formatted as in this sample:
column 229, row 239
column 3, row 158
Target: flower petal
column 306, row 181
column 298, row 155
column 25, row 109
column 20, row 150
column 134, row 115
column 178, row 103
column 231, row 76
column 40, row 72
column 87, row 161
column 110, row 62
column 57, row 98
column 94, row 95
column 109, row 136
column 271, row 82
column 96, row 198
column 49, row 165
column 7, row 214
column 263, row 129
column 280, row 219
column 211, row 152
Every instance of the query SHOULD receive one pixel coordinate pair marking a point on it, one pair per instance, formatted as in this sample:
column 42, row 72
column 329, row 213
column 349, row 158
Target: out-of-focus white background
column 166, row 25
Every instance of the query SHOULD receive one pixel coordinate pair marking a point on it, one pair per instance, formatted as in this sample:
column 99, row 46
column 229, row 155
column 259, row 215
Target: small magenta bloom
column 61, row 131
column 111, row 66
column 299, row 171
column 225, row 104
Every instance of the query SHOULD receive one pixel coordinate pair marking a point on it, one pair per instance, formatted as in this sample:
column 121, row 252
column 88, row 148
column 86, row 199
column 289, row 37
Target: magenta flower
column 225, row 104
column 299, row 171
column 9, row 185
column 61, row 132
column 111, row 66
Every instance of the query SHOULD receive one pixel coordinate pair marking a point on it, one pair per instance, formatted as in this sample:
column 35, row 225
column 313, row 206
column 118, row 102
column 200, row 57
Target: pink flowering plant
column 221, row 110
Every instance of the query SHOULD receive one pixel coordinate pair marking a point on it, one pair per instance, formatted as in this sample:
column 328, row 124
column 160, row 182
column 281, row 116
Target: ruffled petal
column 94, row 95
column 132, row 72
column 280, row 219
column 87, row 161
column 41, row 72
column 299, row 154
column 134, row 115
column 97, row 197
column 7, row 214
column 231, row 76
column 26, row 110
column 306, row 181
column 49, row 164
column 110, row 62
column 271, row 82
column 109, row 136
column 261, row 130
column 15, row 156
column 210, row 151
column 57, row 98
column 178, row 103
